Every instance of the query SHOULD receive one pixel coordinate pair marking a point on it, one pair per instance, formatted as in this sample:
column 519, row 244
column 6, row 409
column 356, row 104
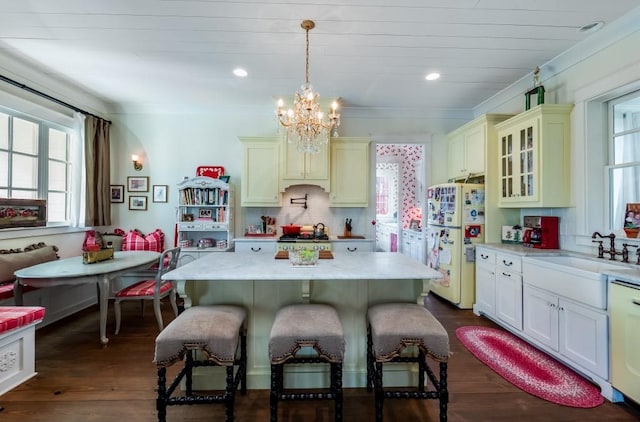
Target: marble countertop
column 344, row 266
column 629, row 272
column 518, row 249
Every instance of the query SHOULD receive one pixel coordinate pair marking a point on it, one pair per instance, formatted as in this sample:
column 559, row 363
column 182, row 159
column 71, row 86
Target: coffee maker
column 541, row 232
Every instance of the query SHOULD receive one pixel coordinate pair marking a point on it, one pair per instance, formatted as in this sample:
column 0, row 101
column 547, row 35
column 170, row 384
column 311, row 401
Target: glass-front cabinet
column 534, row 158
column 517, row 164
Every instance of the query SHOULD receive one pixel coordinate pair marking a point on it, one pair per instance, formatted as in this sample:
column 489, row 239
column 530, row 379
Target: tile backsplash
column 318, row 211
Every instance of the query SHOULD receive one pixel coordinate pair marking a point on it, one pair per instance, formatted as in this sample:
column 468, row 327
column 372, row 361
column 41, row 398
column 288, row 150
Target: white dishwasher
column 624, row 306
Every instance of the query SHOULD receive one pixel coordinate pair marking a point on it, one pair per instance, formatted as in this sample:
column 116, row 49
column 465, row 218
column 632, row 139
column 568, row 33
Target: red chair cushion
column 136, row 241
column 12, row 317
column 144, row 288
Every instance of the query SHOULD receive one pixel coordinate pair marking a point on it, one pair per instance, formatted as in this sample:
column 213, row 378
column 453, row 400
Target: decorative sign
column 210, row 171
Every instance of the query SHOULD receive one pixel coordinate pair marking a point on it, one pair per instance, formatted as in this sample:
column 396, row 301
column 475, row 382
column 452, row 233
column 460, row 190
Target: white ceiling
column 370, row 53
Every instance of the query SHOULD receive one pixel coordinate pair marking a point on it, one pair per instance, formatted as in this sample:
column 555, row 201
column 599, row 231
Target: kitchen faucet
column 612, row 248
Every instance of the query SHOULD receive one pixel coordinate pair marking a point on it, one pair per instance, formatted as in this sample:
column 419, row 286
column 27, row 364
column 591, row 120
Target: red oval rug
column 528, row 368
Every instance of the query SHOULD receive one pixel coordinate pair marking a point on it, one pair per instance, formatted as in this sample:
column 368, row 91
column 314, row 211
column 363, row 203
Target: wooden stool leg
column 276, row 385
column 369, row 361
column 336, row 389
column 443, row 392
column 243, row 364
column 379, row 393
column 188, row 366
column 421, row 370
column 161, row 400
column 229, row 395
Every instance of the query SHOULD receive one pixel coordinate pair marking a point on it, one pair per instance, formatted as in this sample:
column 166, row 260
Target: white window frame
column 615, row 219
column 43, row 160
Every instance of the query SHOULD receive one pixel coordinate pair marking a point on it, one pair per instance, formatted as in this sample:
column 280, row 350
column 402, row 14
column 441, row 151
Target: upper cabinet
column 297, row 168
column 533, row 158
column 350, row 182
column 260, row 177
column 467, row 146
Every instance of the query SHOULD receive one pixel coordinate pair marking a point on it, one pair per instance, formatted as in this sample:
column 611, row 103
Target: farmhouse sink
column 587, row 267
column 576, row 278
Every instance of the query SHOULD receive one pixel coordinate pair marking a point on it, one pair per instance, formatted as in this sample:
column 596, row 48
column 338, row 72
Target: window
column 624, row 155
column 35, row 162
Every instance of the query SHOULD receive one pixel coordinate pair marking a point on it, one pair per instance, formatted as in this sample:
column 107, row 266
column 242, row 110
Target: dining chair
column 154, row 289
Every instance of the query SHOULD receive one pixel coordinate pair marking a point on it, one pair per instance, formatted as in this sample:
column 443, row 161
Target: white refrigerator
column 455, row 224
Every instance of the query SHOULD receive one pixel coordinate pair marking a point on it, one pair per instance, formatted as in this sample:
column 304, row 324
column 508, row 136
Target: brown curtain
column 97, row 165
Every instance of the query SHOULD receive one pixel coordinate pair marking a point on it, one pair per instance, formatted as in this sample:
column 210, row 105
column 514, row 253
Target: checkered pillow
column 136, row 241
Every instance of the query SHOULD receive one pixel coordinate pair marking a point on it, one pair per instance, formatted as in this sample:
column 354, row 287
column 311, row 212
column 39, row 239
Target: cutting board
column 323, row 255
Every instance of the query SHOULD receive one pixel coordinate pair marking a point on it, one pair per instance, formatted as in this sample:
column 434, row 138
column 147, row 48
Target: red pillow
column 136, row 241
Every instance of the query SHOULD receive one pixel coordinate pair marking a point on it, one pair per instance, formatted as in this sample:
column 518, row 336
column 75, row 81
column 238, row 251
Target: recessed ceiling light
column 591, row 27
column 432, row 76
column 239, row 72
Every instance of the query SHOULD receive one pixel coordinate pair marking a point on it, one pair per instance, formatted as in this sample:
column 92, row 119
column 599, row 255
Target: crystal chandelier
column 306, row 122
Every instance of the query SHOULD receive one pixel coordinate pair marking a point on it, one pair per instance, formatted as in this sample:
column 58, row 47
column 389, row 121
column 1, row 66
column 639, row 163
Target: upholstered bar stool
column 295, row 327
column 215, row 331
column 394, row 327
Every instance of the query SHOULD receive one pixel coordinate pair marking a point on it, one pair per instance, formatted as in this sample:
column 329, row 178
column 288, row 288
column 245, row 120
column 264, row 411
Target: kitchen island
column 351, row 282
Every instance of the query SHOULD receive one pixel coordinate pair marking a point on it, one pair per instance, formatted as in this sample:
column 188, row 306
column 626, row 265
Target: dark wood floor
column 79, row 381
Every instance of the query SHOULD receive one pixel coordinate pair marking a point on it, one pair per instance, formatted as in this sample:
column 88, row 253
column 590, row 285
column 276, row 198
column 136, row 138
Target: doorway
column 399, row 191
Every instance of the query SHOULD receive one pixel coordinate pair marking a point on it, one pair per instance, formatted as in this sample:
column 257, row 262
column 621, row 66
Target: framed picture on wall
column 117, row 193
column 138, row 184
column 160, row 193
column 138, row 203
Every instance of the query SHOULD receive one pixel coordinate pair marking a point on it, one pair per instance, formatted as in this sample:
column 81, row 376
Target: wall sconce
column 137, row 165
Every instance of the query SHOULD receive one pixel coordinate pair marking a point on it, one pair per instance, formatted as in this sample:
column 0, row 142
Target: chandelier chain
column 307, row 60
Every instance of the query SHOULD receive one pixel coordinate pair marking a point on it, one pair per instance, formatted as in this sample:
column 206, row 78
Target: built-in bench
column 60, row 301
column 17, row 344
column 15, row 259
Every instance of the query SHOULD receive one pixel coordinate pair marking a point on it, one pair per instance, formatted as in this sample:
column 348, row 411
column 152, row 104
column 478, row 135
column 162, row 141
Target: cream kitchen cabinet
column 534, row 158
column 298, row 168
column 352, row 246
column 467, row 146
column 508, row 273
column 576, row 331
column 350, row 183
column 485, row 282
column 260, row 175
column 256, row 246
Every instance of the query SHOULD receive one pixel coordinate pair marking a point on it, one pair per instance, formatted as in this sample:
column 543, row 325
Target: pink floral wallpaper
column 412, row 156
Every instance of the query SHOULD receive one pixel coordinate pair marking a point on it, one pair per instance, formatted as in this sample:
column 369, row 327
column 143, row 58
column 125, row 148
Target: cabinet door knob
column 256, row 249
column 506, row 274
column 352, row 249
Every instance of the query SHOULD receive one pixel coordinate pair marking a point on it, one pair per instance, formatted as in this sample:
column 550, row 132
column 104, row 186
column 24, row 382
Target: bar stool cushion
column 194, row 329
column 306, row 325
column 395, row 326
